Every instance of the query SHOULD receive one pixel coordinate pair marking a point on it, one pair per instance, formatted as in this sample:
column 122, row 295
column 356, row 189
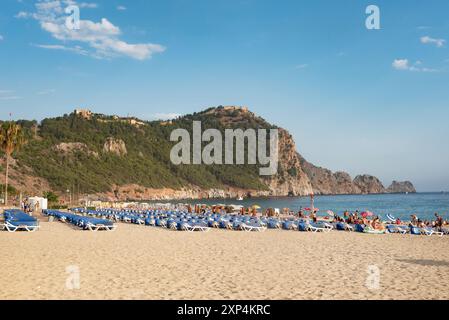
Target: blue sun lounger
column 343, row 226
column 273, row 224
column 192, row 226
column 253, row 226
column 393, row 228
column 85, row 223
column 427, row 231
column 289, row 225
column 18, row 220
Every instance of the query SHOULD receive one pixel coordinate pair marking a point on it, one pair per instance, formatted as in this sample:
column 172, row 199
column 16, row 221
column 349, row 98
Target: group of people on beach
column 376, row 223
column 28, row 207
column 438, row 223
column 355, row 217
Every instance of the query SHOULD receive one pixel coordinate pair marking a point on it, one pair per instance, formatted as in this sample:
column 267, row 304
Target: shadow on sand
column 427, row 263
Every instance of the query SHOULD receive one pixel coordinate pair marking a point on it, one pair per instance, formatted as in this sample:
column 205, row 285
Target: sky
column 355, row 99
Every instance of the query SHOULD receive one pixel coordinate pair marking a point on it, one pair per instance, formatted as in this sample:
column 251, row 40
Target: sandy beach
column 138, row 262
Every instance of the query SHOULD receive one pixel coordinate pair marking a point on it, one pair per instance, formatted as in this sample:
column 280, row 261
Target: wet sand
column 137, row 262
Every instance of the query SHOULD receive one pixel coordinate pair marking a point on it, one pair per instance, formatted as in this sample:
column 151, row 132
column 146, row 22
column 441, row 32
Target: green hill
column 84, row 162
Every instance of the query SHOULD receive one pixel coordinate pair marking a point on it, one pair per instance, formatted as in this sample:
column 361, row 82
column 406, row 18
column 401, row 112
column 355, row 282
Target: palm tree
column 11, row 139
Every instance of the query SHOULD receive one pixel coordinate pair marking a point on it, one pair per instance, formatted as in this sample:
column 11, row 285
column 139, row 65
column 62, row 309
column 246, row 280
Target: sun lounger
column 320, row 227
column 100, row 225
column 83, row 222
column 192, row 226
column 16, row 220
column 343, row 226
column 427, row 231
column 392, row 228
column 273, row 224
column 314, row 227
column 253, row 227
column 289, row 225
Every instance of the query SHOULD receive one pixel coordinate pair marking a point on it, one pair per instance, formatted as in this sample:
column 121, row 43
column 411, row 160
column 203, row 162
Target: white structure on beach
column 42, row 202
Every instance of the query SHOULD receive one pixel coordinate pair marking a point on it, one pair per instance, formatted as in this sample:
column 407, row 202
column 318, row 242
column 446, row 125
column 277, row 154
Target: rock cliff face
column 116, row 146
column 325, row 181
column 369, row 184
column 72, row 147
column 401, row 187
column 291, row 180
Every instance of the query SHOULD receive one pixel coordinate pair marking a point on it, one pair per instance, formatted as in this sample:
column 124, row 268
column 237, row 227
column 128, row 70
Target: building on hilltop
column 235, row 108
column 84, row 113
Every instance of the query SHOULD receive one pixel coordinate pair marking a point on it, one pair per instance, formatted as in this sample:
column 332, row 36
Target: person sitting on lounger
column 313, row 216
column 421, row 224
column 377, row 224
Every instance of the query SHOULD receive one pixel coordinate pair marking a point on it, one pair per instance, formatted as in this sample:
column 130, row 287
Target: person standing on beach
column 438, row 221
column 414, row 219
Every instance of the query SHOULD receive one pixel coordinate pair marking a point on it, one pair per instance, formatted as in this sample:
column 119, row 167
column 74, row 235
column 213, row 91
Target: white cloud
column 75, row 49
column 166, row 116
column 121, row 8
column 8, row 98
column 23, row 15
column 401, row 64
column 1, row 37
column 7, row 95
column 100, row 39
column 404, row 65
column 428, row 40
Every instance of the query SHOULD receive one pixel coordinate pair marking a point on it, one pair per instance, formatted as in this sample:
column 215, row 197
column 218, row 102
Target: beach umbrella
column 256, row 207
column 367, row 214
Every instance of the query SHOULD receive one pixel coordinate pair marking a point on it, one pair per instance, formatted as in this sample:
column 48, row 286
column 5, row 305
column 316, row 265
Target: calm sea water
column 398, row 205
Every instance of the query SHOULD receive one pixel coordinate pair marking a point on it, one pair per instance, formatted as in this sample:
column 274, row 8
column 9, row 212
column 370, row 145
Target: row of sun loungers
column 427, row 231
column 17, row 220
column 85, row 223
column 183, row 221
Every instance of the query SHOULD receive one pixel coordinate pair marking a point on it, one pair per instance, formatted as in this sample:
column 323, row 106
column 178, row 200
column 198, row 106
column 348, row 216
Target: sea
column 424, row 205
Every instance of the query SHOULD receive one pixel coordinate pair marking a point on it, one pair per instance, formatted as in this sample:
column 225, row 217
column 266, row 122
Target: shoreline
column 180, row 200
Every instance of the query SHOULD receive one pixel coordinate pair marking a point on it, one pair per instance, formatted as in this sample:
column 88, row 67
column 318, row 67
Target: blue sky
column 363, row 101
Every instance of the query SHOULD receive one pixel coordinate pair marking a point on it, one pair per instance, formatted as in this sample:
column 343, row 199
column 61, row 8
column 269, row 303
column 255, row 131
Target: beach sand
column 138, row 262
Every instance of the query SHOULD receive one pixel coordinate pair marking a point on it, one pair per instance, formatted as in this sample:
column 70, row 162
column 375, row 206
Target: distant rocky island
column 115, row 158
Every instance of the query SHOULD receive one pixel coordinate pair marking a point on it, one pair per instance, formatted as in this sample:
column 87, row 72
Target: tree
column 51, row 197
column 11, row 139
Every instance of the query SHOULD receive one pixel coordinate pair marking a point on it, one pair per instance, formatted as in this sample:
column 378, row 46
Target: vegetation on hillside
column 147, row 162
